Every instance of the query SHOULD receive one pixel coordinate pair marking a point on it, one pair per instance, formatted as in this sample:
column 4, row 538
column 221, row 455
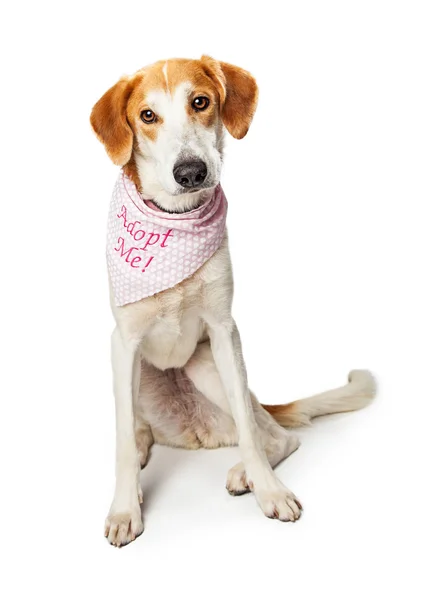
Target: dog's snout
column 190, row 174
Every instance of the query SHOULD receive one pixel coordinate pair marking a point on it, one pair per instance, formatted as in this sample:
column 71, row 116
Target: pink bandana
column 149, row 250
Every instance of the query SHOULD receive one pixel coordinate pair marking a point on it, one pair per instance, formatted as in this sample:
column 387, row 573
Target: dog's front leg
column 124, row 523
column 273, row 497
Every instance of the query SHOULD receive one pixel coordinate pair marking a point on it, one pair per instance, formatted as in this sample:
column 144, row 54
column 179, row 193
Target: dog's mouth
column 205, row 193
column 193, row 190
column 179, row 211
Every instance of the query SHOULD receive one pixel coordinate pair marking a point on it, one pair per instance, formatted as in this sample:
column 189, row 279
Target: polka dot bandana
column 149, row 250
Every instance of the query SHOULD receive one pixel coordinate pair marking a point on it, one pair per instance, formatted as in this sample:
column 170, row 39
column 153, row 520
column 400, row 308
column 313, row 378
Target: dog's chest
column 173, row 337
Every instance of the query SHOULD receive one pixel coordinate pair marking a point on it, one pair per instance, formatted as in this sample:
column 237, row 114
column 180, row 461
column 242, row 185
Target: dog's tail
column 359, row 392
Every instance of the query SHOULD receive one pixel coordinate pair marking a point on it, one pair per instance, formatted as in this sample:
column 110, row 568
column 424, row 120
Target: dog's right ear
column 108, row 120
column 238, row 95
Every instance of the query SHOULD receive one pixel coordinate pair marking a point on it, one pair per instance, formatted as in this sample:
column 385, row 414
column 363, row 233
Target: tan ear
column 108, row 119
column 238, row 95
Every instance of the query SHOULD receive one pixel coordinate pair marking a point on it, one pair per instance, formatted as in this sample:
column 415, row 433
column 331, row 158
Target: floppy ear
column 108, row 120
column 238, row 95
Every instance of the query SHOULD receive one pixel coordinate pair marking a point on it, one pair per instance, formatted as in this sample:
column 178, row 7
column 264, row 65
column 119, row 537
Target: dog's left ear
column 238, row 95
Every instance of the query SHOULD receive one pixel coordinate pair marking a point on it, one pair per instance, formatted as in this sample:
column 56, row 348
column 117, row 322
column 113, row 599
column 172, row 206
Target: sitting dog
column 178, row 368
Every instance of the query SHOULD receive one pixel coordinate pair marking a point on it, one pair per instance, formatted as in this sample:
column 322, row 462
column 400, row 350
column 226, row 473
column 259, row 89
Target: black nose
column 190, row 174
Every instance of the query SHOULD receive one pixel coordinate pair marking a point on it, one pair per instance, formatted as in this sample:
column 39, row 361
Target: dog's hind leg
column 144, row 440
column 277, row 442
column 359, row 391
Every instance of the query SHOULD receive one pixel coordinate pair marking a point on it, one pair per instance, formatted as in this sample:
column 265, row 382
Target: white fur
column 165, row 74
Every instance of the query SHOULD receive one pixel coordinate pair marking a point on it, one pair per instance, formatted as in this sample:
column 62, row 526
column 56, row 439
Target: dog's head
column 168, row 121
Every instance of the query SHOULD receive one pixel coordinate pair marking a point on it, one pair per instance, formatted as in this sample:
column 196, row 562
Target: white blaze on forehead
column 165, row 73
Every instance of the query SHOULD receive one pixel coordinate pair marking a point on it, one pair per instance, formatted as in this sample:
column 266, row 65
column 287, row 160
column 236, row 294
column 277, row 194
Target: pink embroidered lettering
column 123, row 252
column 147, row 263
column 166, row 236
column 149, row 241
column 123, row 215
column 131, row 227
column 138, row 235
column 135, row 261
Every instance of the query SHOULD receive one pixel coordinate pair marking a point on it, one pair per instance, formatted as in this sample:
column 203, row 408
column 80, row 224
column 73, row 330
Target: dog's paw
column 236, row 483
column 121, row 528
column 279, row 503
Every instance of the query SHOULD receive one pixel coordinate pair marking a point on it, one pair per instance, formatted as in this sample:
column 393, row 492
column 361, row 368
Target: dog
column 179, row 375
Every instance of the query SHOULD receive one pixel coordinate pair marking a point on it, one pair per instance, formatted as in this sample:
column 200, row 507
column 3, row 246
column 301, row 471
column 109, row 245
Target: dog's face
column 168, row 120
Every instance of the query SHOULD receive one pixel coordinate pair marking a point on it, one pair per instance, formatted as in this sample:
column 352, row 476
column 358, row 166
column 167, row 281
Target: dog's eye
column 148, row 116
column 200, row 103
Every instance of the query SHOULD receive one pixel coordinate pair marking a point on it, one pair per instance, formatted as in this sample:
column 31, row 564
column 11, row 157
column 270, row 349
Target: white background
column 327, row 196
